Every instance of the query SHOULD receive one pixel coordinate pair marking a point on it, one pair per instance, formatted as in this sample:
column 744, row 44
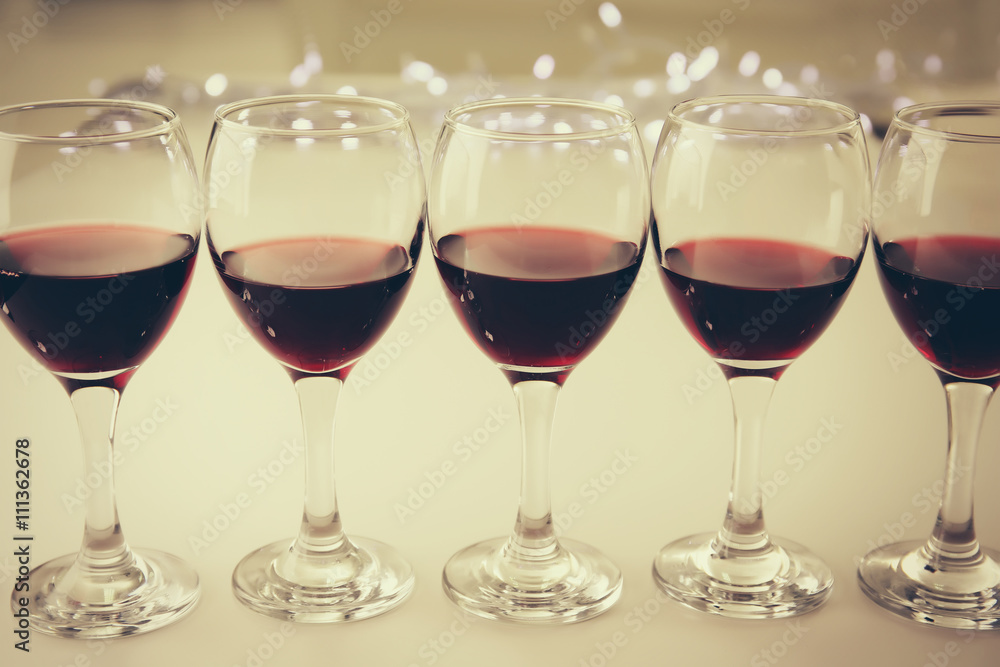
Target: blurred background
column 872, row 54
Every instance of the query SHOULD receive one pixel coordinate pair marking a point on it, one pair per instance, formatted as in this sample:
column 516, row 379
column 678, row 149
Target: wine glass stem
column 954, row 534
column 534, row 538
column 321, row 532
column 104, row 546
column 743, row 529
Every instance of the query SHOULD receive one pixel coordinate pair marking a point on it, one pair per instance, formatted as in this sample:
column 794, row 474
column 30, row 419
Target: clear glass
column 315, row 222
column 760, row 207
column 538, row 211
column 935, row 234
column 99, row 226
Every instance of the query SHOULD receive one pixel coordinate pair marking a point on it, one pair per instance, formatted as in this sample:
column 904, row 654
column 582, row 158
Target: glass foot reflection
column 901, row 579
column 784, row 579
column 579, row 582
column 153, row 590
column 365, row 579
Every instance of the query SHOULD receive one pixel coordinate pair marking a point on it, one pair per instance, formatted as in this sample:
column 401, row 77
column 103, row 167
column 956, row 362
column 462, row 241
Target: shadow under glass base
column 782, row 581
column 369, row 580
column 582, row 584
column 888, row 576
column 155, row 590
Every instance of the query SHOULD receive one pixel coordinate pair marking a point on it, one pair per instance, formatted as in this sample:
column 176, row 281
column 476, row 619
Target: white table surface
column 234, row 411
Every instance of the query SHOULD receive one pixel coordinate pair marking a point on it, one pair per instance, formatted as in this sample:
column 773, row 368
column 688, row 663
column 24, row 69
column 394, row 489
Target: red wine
column 945, row 294
column 537, row 297
column 93, row 298
column 754, row 299
column 316, row 304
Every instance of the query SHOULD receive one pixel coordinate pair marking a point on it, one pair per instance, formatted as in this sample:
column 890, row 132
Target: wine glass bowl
column 315, row 228
column 99, row 227
column 760, row 207
column 538, row 214
column 936, row 238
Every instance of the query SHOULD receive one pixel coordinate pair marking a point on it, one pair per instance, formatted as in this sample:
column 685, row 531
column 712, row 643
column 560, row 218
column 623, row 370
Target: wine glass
column 760, row 207
column 99, row 228
column 538, row 211
column 315, row 223
column 935, row 235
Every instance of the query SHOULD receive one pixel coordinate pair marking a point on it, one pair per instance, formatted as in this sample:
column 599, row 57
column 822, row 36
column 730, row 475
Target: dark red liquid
column 93, row 299
column 537, row 297
column 945, row 294
column 316, row 304
column 754, row 299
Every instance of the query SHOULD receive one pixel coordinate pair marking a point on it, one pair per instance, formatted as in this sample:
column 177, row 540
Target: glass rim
column 628, row 124
column 401, row 115
column 899, row 119
column 171, row 121
column 850, row 117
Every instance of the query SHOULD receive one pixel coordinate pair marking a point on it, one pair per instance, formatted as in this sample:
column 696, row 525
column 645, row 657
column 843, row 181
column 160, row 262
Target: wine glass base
column 158, row 589
column 787, row 580
column 380, row 579
column 882, row 577
column 591, row 585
